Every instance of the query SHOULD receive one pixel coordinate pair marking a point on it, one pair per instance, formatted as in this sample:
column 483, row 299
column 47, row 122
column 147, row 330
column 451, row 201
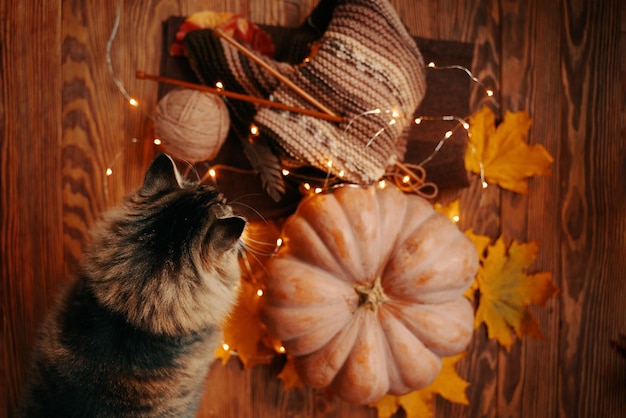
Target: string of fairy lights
column 410, row 179
column 406, row 181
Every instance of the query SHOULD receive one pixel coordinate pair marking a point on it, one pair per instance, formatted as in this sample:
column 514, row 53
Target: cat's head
column 167, row 259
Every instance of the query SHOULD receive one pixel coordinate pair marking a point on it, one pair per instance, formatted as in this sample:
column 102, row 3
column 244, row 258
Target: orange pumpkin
column 366, row 292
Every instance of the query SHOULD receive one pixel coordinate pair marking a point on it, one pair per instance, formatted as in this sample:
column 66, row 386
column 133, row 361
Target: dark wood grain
column 480, row 207
column 593, row 202
column 517, row 72
column 30, row 176
column 529, row 76
column 63, row 122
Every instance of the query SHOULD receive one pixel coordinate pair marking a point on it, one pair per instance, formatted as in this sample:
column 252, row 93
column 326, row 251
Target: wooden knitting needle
column 306, row 96
column 238, row 96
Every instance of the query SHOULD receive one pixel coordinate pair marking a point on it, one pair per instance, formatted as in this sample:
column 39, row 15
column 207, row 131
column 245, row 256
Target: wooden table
column 63, row 122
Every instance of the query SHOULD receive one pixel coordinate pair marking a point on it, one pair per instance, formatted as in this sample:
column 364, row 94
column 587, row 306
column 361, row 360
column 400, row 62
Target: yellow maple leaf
column 506, row 291
column 452, row 210
column 505, row 157
column 480, row 242
column 419, row 404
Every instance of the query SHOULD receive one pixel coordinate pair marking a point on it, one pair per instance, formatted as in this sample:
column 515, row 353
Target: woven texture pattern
column 214, row 59
column 366, row 60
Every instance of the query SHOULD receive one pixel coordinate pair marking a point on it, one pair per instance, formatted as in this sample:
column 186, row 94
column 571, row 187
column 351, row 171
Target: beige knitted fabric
column 366, row 61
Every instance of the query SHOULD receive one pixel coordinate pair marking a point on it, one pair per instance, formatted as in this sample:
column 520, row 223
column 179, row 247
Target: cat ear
column 225, row 232
column 161, row 176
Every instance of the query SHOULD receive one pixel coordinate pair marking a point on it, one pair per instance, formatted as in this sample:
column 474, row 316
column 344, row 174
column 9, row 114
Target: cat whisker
column 261, row 253
column 261, row 243
column 247, row 253
column 190, row 168
column 245, row 205
column 245, row 196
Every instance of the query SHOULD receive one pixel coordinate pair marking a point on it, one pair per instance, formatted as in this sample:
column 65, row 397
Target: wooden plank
column 30, row 176
column 64, row 122
column 232, row 392
column 529, row 52
column 480, row 208
column 530, row 76
column 592, row 208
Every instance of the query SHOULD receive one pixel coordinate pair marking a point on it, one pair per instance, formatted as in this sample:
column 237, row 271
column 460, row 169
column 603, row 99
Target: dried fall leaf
column 244, row 331
column 387, row 406
column 481, row 243
column 506, row 291
column 449, row 384
column 419, row 403
column 452, row 210
column 289, row 375
column 506, row 158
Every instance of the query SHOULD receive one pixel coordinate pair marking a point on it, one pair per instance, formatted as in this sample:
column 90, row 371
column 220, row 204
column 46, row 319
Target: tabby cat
column 134, row 334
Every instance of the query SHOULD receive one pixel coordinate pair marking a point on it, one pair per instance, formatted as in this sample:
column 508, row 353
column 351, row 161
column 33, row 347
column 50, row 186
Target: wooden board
column 63, row 122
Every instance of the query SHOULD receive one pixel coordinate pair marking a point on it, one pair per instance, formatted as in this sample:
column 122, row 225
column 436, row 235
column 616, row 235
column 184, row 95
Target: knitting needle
column 306, row 96
column 238, row 96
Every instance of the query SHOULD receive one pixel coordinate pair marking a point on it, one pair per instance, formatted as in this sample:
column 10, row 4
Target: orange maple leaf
column 419, row 403
column 289, row 375
column 501, row 154
column 244, row 332
column 506, row 290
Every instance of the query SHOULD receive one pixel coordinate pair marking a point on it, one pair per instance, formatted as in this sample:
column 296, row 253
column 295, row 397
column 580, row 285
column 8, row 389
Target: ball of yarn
column 191, row 124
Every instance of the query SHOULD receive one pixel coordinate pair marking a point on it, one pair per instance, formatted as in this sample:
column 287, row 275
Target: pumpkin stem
column 371, row 296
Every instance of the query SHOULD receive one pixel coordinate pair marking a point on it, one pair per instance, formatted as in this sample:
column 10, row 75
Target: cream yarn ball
column 192, row 125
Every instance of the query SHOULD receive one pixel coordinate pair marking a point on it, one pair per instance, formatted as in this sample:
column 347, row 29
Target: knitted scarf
column 367, row 69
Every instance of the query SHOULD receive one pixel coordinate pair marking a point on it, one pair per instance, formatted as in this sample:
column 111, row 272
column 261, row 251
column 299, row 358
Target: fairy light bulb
column 212, row 173
column 465, row 125
column 406, row 179
column 382, row 184
column 259, row 292
column 448, row 134
column 418, row 120
column 318, row 190
column 285, row 172
column 475, row 79
column 456, row 218
column 281, row 349
column 109, row 172
column 157, row 141
column 306, row 186
column 219, row 85
column 485, row 184
column 225, row 346
column 254, row 130
column 329, row 164
column 341, row 173
column 279, row 242
column 133, row 102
